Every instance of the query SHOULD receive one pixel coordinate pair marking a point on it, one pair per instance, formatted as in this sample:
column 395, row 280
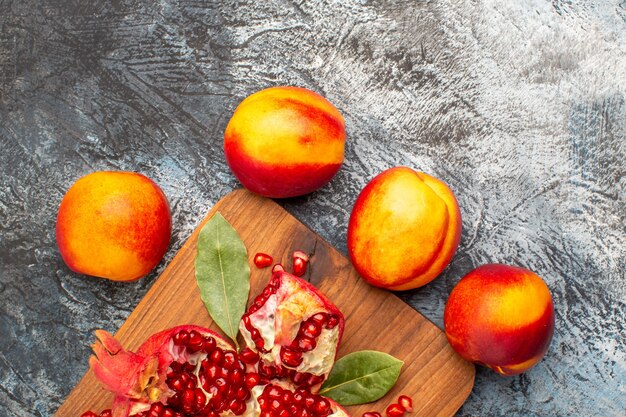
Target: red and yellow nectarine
column 114, row 225
column 404, row 229
column 500, row 316
column 285, row 142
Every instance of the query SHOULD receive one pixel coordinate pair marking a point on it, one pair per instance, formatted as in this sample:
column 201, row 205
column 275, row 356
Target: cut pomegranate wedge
column 295, row 330
column 292, row 332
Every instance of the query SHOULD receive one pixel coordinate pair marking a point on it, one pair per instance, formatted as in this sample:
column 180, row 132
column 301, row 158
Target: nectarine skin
column 114, row 225
column 285, row 142
column 404, row 229
column 500, row 316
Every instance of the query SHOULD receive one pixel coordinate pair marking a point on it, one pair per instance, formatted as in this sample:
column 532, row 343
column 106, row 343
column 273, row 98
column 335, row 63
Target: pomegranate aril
column 395, row 410
column 299, row 267
column 209, row 344
column 267, row 371
column 212, row 371
column 188, row 399
column 235, row 377
column 372, row 414
column 230, row 360
column 216, row 356
column 406, row 402
column 262, row 260
column 305, row 344
column 322, row 406
column 290, row 357
column 248, row 356
column 181, row 338
column 106, row 413
column 277, row 268
column 242, row 393
column 89, row 414
column 156, row 410
column 264, row 403
column 319, row 318
column 252, row 379
column 195, row 342
column 332, row 322
column 310, row 329
column 314, row 380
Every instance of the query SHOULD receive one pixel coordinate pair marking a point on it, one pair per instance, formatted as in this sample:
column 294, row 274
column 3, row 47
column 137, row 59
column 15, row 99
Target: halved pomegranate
column 192, row 371
column 295, row 331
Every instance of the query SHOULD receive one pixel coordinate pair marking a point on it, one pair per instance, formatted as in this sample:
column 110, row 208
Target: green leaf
column 223, row 274
column 362, row 377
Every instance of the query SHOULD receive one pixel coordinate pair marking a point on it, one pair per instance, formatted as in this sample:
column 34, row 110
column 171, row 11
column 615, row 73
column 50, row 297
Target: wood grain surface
column 435, row 377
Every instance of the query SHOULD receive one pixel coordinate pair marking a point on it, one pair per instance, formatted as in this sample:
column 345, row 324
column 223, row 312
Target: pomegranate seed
column 299, row 267
column 406, row 402
column 264, row 403
column 332, row 322
column 260, row 300
column 319, row 318
column 372, row 414
column 181, row 338
column 309, row 401
column 275, row 405
column 106, row 413
column 278, row 268
column 314, row 380
column 188, row 398
column 248, row 356
column 156, row 410
column 242, row 394
column 216, row 356
column 252, row 379
column 395, row 410
column 236, row 377
column 209, row 343
column 310, row 329
column 168, row 412
column 196, row 341
column 322, row 406
column 89, row 414
column 290, row 357
column 262, row 260
column 300, row 260
column 230, row 360
column 267, row 371
column 306, row 344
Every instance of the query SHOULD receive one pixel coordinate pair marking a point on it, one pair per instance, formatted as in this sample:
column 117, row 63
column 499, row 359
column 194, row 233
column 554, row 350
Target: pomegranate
column 294, row 329
column 291, row 331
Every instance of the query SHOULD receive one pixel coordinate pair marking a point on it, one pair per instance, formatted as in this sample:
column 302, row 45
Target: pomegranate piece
column 395, row 410
column 406, row 402
column 295, row 330
column 180, row 370
column 372, row 414
column 262, row 260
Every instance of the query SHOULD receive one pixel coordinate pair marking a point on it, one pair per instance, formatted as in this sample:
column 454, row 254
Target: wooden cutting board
column 435, row 377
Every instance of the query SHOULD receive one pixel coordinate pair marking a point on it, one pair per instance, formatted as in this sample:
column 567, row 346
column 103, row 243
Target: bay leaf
column 223, row 274
column 362, row 377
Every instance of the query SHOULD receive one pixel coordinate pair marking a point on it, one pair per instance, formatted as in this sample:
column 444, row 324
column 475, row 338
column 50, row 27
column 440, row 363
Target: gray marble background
column 519, row 106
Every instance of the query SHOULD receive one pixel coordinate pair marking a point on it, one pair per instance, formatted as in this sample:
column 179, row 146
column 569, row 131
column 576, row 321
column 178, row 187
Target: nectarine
column 113, row 225
column 500, row 316
column 285, row 142
column 404, row 229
